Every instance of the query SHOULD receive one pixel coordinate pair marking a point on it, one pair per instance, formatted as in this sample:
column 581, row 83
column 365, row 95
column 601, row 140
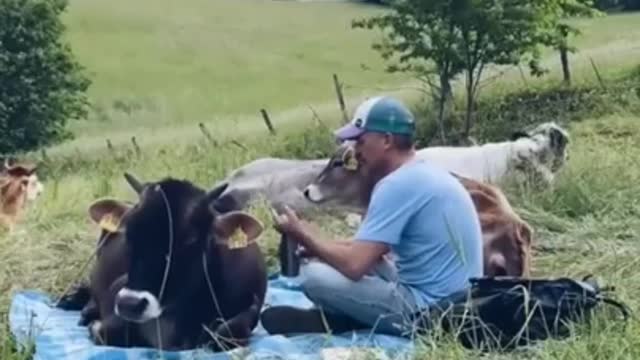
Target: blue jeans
column 377, row 300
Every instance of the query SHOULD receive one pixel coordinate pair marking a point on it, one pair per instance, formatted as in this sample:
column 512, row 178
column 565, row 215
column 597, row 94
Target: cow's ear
column 237, row 227
column 349, row 161
column 107, row 213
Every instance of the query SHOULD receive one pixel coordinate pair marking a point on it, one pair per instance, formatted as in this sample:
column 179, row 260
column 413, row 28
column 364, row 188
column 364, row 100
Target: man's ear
column 226, row 225
column 107, row 213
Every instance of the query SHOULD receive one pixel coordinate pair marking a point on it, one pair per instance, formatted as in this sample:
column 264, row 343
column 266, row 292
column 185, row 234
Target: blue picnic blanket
column 32, row 317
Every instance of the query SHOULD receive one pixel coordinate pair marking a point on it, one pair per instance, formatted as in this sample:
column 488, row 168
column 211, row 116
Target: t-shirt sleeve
column 392, row 206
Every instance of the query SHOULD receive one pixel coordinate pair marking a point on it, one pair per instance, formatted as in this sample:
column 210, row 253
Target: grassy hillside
column 173, row 65
column 159, row 70
column 179, row 63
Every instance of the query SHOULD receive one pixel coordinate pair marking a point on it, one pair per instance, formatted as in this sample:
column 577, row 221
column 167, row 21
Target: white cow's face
column 33, row 187
column 546, row 145
column 555, row 142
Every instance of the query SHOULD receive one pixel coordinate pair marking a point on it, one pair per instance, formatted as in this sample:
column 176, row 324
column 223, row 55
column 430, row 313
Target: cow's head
column 23, row 179
column 168, row 231
column 340, row 181
column 551, row 142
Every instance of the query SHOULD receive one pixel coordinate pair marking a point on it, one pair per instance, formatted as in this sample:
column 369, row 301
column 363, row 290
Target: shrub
column 41, row 85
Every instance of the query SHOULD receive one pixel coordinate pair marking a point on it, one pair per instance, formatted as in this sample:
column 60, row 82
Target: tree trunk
column 445, row 95
column 564, row 58
column 469, row 107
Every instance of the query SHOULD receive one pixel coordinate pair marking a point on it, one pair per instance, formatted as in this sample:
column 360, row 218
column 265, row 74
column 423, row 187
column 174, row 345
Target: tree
column 448, row 37
column 41, row 85
column 559, row 38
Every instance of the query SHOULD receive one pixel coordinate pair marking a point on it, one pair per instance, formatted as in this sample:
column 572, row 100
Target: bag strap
column 624, row 309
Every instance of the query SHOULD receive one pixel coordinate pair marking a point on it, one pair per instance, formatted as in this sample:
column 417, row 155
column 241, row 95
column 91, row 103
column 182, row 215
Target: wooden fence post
column 267, row 121
column 343, row 108
column 207, row 134
column 595, row 69
column 135, row 146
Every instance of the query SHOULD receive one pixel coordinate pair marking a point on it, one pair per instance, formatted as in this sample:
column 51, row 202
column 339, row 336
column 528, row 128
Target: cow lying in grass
column 540, row 153
column 279, row 181
column 506, row 237
column 172, row 273
column 19, row 184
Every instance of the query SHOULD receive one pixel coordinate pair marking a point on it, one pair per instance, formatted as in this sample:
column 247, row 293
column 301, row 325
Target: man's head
column 383, row 131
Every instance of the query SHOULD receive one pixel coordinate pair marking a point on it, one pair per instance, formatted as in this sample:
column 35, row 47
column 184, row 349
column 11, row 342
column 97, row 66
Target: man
column 420, row 213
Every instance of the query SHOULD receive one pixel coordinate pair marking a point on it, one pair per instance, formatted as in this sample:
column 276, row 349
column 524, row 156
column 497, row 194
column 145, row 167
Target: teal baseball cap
column 378, row 114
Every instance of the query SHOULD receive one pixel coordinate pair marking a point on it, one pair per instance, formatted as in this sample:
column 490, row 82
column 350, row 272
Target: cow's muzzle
column 313, row 194
column 137, row 306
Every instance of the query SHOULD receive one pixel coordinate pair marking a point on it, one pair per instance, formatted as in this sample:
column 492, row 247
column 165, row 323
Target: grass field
column 158, row 71
column 171, row 65
column 218, row 62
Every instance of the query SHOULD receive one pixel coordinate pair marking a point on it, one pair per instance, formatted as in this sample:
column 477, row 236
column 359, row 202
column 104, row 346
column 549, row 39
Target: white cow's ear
column 107, row 213
column 237, row 228
column 349, row 161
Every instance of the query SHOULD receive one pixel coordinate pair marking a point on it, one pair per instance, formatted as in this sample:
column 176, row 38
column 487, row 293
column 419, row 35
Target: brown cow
column 19, row 184
column 172, row 272
column 506, row 237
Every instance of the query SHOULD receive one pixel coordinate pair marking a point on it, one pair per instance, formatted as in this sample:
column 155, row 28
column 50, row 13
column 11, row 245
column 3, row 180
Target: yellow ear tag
column 109, row 223
column 349, row 161
column 238, row 240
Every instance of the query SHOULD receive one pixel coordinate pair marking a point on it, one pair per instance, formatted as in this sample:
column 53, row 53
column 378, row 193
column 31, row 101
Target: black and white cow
column 540, row 153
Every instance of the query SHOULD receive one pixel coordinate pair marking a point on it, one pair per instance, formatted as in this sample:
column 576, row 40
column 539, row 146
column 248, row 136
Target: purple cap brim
column 348, row 132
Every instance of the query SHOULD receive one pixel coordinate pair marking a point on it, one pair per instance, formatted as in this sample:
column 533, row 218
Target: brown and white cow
column 506, row 237
column 167, row 275
column 19, row 184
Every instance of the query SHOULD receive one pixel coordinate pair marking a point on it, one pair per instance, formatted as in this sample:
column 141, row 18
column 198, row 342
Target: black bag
column 502, row 313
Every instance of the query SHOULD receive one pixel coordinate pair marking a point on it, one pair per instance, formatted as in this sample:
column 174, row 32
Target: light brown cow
column 19, row 184
column 506, row 237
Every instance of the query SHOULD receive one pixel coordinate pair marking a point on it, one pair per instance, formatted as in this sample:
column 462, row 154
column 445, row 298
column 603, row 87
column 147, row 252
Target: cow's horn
column 217, row 191
column 135, row 184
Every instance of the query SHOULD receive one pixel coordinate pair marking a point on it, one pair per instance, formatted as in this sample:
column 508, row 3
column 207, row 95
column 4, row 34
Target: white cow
column 540, row 152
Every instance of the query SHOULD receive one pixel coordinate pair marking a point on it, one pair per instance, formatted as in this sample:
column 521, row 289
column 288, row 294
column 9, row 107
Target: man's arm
column 352, row 259
column 390, row 209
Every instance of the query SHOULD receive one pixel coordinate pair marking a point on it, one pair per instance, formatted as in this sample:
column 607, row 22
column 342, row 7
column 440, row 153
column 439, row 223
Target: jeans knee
column 320, row 279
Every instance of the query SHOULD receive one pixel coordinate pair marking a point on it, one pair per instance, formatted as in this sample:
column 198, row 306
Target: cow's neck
column 366, row 190
column 184, row 319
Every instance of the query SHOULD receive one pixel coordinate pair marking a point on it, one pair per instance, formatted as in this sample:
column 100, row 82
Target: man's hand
column 289, row 223
column 352, row 258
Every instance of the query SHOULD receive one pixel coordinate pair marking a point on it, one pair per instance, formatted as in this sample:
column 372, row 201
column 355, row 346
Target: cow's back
column 507, row 238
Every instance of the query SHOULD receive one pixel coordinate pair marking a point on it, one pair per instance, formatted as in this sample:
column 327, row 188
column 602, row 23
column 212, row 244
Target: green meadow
column 161, row 68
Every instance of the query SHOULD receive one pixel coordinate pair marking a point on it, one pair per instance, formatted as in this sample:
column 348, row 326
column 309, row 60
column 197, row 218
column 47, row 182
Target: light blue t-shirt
column 429, row 220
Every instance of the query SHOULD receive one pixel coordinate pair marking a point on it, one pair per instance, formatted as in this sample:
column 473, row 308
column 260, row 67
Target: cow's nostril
column 306, row 193
column 141, row 305
column 132, row 306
